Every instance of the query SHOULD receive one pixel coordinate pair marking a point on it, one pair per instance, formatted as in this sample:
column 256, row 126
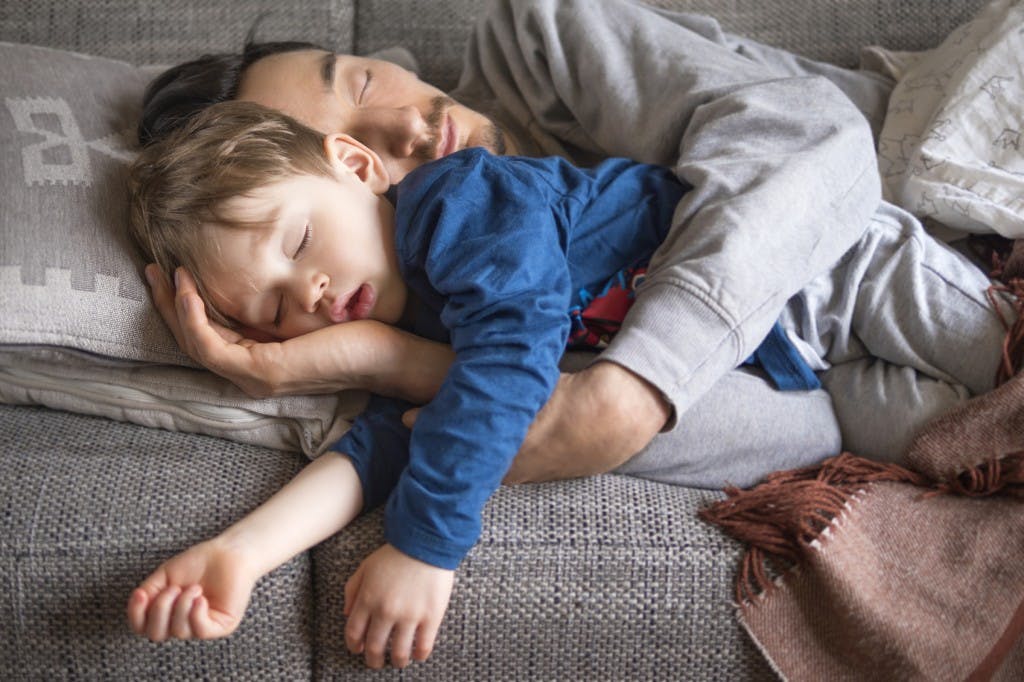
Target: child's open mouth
column 356, row 306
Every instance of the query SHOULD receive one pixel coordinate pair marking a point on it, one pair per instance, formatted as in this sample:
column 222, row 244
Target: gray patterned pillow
column 77, row 329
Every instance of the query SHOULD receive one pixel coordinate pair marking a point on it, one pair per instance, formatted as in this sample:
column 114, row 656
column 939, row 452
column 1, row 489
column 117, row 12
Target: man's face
column 320, row 251
column 406, row 121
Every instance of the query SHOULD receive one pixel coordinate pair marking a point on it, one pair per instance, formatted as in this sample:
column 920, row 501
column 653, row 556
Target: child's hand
column 201, row 593
column 394, row 598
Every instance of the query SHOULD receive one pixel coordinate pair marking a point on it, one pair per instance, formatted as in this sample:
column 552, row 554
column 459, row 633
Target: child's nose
column 315, row 292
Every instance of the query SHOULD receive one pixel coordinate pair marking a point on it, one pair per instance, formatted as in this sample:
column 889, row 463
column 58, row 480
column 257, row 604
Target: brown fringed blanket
column 859, row 570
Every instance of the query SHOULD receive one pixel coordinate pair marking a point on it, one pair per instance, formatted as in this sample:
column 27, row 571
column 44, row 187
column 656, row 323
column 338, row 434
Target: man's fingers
column 163, row 299
column 409, row 417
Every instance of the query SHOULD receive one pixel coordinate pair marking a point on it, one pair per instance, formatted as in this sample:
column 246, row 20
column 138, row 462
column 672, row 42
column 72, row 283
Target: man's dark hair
column 182, row 91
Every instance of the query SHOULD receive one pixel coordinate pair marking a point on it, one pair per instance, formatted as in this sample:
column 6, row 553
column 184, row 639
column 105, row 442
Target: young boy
column 288, row 232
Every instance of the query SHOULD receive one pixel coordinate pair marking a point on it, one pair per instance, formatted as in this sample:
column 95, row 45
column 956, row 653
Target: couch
column 608, row 578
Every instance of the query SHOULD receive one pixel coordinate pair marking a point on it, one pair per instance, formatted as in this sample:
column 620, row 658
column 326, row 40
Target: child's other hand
column 201, row 593
column 394, row 598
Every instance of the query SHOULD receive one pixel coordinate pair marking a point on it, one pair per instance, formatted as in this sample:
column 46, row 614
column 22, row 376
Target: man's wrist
column 627, row 398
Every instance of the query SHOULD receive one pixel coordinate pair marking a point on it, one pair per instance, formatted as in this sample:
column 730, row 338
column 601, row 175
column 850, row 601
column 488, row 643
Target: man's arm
column 783, row 168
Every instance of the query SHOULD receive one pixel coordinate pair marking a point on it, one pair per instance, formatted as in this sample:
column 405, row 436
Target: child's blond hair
column 179, row 184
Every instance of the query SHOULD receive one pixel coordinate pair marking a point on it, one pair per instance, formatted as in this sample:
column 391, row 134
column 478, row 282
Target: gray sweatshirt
column 782, row 163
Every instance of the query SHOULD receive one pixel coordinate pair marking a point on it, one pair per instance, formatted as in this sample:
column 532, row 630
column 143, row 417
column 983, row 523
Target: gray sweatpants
column 904, row 322
column 901, row 329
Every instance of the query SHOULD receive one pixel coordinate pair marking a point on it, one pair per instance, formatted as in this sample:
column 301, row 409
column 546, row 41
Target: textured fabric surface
column 160, row 32
column 89, row 508
column 608, row 578
column 922, row 599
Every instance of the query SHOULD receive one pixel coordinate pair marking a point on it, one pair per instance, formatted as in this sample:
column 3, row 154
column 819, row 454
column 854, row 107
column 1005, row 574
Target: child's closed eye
column 307, row 235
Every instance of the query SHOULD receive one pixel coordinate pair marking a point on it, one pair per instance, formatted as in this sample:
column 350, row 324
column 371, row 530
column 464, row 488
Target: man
column 784, row 170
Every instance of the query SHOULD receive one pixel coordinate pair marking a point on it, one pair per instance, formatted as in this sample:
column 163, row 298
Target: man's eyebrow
column 327, row 63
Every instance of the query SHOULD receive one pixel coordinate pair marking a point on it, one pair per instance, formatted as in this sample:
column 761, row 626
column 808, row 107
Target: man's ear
column 345, row 153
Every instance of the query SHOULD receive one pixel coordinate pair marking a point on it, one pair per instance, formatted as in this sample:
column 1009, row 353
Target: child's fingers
column 352, row 590
column 425, row 638
column 180, row 627
column 401, row 644
column 159, row 614
column 377, row 636
column 202, row 625
column 137, row 603
column 355, row 629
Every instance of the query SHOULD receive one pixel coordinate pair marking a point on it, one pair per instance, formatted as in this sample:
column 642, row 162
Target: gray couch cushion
column 436, row 31
column 167, row 32
column 609, row 578
column 89, row 508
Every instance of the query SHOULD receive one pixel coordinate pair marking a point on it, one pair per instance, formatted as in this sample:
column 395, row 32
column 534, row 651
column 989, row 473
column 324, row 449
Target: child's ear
column 345, row 153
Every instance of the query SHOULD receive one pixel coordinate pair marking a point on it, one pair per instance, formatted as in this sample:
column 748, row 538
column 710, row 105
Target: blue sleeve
column 378, row 445
column 492, row 250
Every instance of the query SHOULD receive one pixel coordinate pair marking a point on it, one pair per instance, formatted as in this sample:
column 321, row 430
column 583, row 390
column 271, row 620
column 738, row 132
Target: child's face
column 325, row 255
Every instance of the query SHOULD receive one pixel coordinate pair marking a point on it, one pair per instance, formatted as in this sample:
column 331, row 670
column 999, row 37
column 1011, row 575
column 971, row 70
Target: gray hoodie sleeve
column 782, row 166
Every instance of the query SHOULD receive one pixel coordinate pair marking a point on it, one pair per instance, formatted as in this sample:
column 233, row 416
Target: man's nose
column 397, row 131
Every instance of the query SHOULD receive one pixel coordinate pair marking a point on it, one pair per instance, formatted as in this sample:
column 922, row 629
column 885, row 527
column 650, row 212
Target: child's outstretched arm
column 202, row 592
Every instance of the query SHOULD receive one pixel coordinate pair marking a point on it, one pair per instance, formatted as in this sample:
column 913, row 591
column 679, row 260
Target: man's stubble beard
column 492, row 137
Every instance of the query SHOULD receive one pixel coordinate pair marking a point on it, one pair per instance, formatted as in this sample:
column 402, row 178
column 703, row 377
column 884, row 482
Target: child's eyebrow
column 327, row 64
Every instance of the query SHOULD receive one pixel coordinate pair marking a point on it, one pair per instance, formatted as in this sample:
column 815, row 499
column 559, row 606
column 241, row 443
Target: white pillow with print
column 951, row 147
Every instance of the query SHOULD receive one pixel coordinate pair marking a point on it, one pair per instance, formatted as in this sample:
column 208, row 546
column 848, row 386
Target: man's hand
column 595, row 420
column 393, row 598
column 363, row 354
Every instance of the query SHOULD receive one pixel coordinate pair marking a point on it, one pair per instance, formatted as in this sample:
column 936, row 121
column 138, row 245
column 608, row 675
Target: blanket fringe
column 1003, row 476
column 780, row 519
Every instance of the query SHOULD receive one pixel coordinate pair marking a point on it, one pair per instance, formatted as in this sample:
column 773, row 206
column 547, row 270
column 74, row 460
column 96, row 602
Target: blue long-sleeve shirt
column 498, row 250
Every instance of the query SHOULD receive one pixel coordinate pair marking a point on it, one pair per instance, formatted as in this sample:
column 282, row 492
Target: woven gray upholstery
column 162, row 32
column 156, row 31
column 603, row 578
column 835, row 31
column 89, row 507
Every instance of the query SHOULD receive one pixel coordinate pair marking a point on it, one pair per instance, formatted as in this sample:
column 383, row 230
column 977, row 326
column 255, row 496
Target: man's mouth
column 357, row 305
